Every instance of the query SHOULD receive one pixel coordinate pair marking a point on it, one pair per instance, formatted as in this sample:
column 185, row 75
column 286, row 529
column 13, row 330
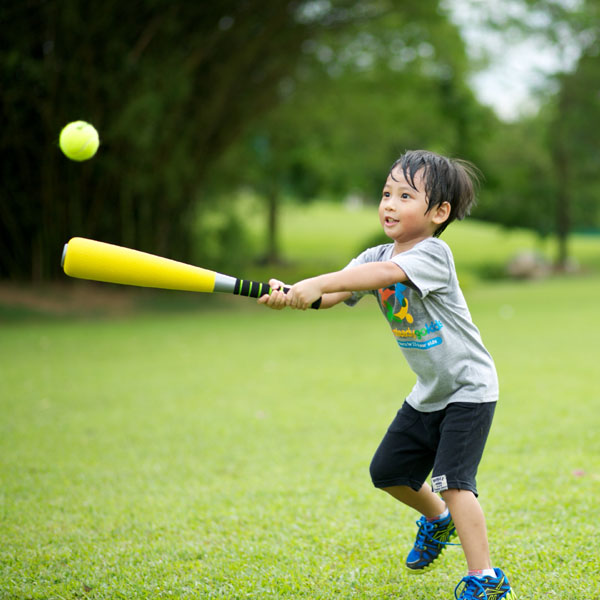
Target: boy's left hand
column 277, row 299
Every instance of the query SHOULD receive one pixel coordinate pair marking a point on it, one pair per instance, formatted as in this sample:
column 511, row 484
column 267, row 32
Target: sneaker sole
column 426, row 569
column 510, row 596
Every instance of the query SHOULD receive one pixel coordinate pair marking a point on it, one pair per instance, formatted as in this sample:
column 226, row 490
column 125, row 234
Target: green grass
column 322, row 237
column 223, row 453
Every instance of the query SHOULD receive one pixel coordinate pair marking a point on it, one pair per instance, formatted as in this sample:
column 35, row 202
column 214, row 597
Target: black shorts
column 447, row 443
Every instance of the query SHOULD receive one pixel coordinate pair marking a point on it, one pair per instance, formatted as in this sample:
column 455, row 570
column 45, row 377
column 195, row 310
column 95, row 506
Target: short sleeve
column 375, row 254
column 428, row 265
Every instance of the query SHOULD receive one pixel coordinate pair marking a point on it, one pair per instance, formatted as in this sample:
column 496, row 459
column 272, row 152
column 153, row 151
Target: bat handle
column 256, row 289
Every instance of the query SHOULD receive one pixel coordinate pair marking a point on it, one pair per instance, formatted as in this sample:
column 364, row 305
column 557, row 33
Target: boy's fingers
column 277, row 298
column 264, row 299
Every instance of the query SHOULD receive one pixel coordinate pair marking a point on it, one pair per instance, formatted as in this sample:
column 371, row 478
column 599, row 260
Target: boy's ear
column 441, row 213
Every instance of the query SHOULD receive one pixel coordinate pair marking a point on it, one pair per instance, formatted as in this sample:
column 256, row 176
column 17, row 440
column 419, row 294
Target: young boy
column 443, row 424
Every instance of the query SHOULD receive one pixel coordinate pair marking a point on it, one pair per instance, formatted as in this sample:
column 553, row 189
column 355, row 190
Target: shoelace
column 424, row 534
column 472, row 586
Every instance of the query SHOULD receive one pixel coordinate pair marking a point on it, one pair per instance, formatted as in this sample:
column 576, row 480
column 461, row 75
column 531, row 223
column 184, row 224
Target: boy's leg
column 471, row 528
column 436, row 529
column 424, row 501
column 464, row 432
column 400, row 467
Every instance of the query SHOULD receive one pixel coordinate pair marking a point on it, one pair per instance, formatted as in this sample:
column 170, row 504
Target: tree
column 576, row 150
column 519, row 181
column 359, row 98
column 556, row 154
column 574, row 145
column 169, row 84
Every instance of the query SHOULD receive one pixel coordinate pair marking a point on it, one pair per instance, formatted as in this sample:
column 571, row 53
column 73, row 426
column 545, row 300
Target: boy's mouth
column 390, row 221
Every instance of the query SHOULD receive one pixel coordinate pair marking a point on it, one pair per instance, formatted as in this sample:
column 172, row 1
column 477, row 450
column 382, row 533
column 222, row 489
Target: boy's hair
column 449, row 180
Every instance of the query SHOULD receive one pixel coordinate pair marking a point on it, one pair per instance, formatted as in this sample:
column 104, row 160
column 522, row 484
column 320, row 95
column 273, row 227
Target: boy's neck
column 400, row 247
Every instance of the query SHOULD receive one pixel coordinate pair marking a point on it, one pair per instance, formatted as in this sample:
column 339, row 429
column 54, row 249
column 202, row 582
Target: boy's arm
column 329, row 300
column 368, row 276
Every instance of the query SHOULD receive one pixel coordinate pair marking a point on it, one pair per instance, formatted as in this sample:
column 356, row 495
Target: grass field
column 223, row 452
column 321, row 237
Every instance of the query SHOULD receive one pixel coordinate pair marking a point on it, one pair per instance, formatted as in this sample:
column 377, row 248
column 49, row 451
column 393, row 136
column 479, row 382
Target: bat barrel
column 98, row 261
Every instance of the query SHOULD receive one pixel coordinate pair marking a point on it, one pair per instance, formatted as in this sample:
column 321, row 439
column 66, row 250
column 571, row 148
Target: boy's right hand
column 276, row 299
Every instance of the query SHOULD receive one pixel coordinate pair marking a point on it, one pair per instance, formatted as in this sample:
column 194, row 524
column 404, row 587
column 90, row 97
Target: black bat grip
column 256, row 289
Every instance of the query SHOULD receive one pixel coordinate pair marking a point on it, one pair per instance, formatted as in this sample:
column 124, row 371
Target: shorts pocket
column 405, row 419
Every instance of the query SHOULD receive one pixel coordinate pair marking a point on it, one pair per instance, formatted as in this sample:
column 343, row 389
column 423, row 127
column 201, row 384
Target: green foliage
column 322, row 237
column 575, row 140
column 519, row 189
column 360, row 97
column 544, row 169
column 169, row 84
column 294, row 100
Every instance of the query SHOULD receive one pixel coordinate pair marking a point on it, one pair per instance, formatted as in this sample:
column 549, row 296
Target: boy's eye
column 386, row 195
column 405, row 196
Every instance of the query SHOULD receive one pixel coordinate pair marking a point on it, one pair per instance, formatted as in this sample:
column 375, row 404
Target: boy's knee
column 378, row 470
column 385, row 475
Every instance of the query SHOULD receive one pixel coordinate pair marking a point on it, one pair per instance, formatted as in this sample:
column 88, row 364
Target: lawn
column 223, row 452
column 321, row 237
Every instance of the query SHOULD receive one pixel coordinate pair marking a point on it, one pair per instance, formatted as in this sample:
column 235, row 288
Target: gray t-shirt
column 430, row 320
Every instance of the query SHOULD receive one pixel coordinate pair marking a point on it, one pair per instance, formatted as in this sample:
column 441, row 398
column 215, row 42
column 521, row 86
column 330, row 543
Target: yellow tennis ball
column 79, row 140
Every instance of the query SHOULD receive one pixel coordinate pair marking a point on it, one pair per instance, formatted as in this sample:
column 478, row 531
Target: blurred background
column 218, row 119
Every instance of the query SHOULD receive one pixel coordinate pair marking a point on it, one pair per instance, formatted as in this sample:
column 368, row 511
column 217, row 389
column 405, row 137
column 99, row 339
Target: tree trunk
column 563, row 190
column 272, row 253
column 563, row 220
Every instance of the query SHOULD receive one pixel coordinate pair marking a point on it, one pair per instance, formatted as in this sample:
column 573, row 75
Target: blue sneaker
column 485, row 588
column 432, row 539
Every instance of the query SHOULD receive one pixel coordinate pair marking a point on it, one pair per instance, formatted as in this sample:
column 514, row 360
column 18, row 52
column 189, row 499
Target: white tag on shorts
column 439, row 484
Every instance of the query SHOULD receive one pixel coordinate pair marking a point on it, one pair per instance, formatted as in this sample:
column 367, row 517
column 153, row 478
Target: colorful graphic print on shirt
column 394, row 303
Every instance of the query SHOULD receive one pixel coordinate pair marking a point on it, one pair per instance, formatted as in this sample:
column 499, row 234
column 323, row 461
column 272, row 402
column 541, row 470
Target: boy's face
column 403, row 210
